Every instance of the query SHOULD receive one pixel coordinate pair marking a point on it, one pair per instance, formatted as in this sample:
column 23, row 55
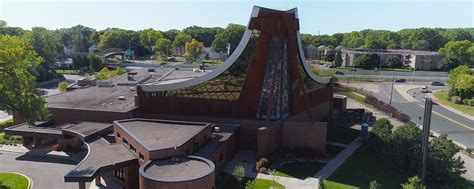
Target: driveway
column 46, row 172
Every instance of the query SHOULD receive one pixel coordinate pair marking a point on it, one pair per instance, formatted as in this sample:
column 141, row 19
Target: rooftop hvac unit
column 130, row 78
column 104, row 83
column 217, row 129
column 121, row 97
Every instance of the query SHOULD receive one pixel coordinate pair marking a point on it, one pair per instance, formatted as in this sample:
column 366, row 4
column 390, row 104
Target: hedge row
column 384, row 107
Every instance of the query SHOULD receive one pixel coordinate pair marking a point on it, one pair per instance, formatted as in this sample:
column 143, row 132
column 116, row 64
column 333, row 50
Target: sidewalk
column 337, row 161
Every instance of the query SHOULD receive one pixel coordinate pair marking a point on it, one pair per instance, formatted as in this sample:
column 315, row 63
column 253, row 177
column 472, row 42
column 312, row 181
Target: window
column 125, row 141
column 118, row 135
column 119, row 174
column 221, row 157
column 140, row 155
column 133, row 149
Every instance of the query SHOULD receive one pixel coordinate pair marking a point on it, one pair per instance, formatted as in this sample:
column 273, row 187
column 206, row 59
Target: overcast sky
column 316, row 16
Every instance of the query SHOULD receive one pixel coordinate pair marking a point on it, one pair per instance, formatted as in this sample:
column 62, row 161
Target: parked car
column 171, row 59
column 424, row 89
column 437, row 83
column 400, row 80
column 339, row 73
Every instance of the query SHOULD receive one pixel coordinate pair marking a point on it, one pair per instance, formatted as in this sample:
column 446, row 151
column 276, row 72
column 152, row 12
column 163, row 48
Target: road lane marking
column 452, row 120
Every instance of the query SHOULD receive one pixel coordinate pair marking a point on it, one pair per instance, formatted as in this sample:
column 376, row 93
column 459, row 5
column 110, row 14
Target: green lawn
column 13, row 181
column 363, row 167
column 231, row 183
column 333, row 150
column 335, row 185
column 443, row 97
column 300, row 170
column 70, row 72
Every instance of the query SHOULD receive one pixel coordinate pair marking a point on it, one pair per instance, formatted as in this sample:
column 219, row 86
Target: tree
column 232, row 35
column 239, row 173
column 448, row 64
column 181, row 39
column 18, row 91
column 81, row 62
column 456, row 72
column 367, row 61
column 47, row 44
column 383, row 129
column 394, row 62
column 170, row 34
column 413, row 183
column 95, row 61
column 443, row 165
column 77, row 36
column 163, row 46
column 3, row 23
column 149, row 37
column 406, row 146
column 462, row 51
column 193, row 49
column 338, row 59
column 202, row 34
column 103, row 74
column 375, row 185
column 119, row 38
column 62, row 86
column 464, row 86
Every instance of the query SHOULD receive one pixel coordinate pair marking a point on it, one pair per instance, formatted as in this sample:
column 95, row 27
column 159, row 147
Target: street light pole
column 391, row 91
column 425, row 138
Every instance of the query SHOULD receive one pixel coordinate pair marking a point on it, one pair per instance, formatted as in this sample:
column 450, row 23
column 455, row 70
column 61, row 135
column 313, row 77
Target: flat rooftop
column 86, row 130
column 161, row 134
column 178, row 169
column 102, row 155
column 104, row 98
column 175, row 76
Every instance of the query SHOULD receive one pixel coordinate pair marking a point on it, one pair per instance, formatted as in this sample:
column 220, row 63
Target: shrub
column 238, row 173
column 413, row 183
column 456, row 99
column 471, row 102
column 63, row 86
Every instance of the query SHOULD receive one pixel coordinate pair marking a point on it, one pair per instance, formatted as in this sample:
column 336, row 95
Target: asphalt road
column 46, row 172
column 444, row 121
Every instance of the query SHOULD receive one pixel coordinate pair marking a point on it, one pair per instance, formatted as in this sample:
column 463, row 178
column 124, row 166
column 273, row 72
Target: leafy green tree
column 149, row 37
column 95, row 61
column 456, row 72
column 464, row 86
column 119, row 38
column 62, row 86
column 170, row 34
column 81, row 63
column 443, row 165
column 413, row 183
column 338, row 59
column 47, row 44
column 181, row 39
column 239, row 173
column 421, row 39
column 202, row 34
column 18, row 91
column 3, row 23
column 462, row 51
column 375, row 185
column 367, row 61
column 77, row 36
column 394, row 62
column 232, row 34
column 448, row 64
column 163, row 46
column 383, row 129
column 250, row 184
column 406, row 146
column 193, row 49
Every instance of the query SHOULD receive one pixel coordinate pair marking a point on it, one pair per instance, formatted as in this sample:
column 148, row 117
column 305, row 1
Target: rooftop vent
column 130, row 78
column 121, row 97
column 217, row 129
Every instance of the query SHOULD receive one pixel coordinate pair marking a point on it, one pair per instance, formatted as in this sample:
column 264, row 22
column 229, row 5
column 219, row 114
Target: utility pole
column 414, row 70
column 391, row 91
column 425, row 138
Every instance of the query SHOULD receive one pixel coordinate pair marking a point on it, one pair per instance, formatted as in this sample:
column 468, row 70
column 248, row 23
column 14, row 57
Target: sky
column 316, row 16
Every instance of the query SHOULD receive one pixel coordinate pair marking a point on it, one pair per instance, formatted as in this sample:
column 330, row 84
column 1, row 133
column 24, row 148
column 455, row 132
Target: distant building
column 421, row 60
column 213, row 55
